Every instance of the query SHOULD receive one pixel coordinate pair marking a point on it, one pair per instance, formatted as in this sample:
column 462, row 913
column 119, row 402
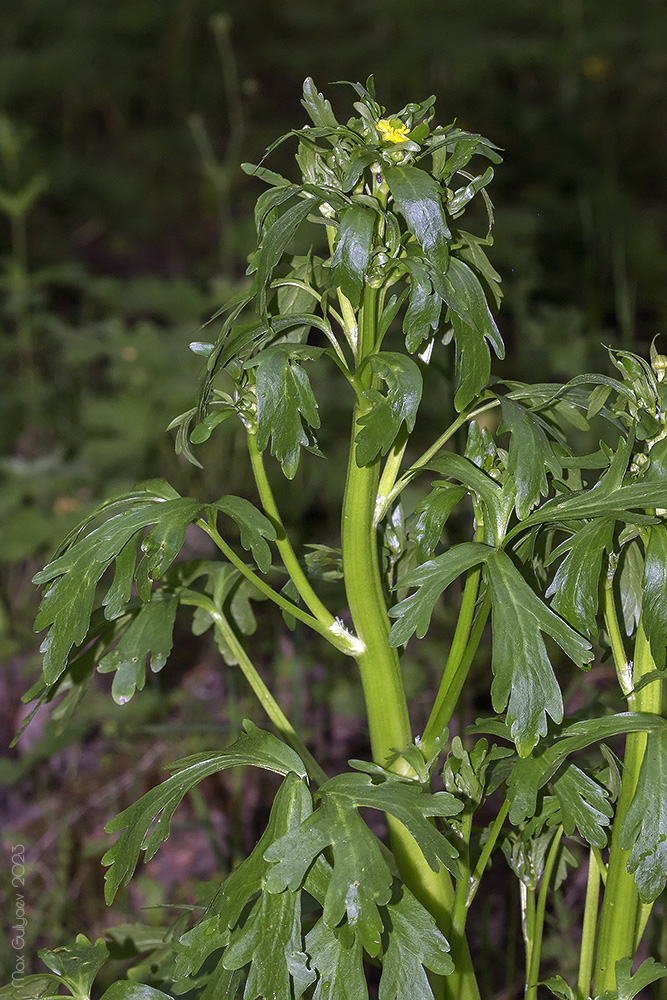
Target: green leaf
column 68, row 602
column 165, row 540
column 575, row 586
column 644, row 826
column 432, row 578
column 410, row 804
column 146, row 823
column 530, row 457
column 584, row 804
column 126, row 990
column 431, row 515
column 381, row 424
column 317, row 106
column 39, row 987
column 120, row 591
column 254, row 526
column 624, row 503
column 352, row 253
column 524, row 680
column 270, row 940
column 291, row 806
column 339, row 965
column 418, row 196
column 560, row 989
column 360, row 881
column 423, row 312
column 78, row 964
column 284, row 401
column 149, row 636
column 629, row 986
column 654, row 588
column 414, row 945
column 273, row 245
column 496, row 504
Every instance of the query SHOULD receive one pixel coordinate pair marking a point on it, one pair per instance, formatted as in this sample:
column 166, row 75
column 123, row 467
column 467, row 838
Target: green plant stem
column 378, row 662
column 533, row 965
column 261, row 691
column 287, row 553
column 386, row 705
column 462, row 652
column 588, row 929
column 621, row 915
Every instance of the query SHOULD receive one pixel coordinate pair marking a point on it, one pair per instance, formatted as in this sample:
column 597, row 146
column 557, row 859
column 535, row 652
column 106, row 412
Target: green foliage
column 321, row 892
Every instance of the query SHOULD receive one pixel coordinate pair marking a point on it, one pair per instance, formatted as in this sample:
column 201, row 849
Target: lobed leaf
column 360, row 880
column 584, row 804
column 285, row 401
column 146, row 823
column 431, row 579
column 575, row 587
column 148, row 637
column 255, row 528
column 414, row 945
column 410, row 804
column 644, row 826
column 274, row 243
column 524, row 680
column 339, row 965
column 431, row 515
column 382, row 422
column 530, row 456
column 76, row 965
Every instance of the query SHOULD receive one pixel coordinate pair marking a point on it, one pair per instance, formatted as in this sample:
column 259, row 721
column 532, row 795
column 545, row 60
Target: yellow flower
column 392, row 132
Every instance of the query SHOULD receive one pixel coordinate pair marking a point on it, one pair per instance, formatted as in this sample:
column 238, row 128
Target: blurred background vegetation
column 125, row 222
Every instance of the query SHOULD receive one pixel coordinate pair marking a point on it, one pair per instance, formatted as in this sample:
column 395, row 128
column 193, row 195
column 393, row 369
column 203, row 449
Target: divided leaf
column 576, row 583
column 146, row 823
column 431, row 516
column 382, row 422
column 432, row 578
column 285, row 401
column 149, row 636
column 530, row 456
column 523, row 675
column 68, row 602
column 339, row 965
column 644, row 827
column 584, row 804
column 254, row 526
column 415, row 944
column 361, row 880
column 76, row 965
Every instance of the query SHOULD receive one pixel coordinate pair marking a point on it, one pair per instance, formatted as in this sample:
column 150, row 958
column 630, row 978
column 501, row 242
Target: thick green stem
column 622, row 913
column 378, row 662
column 386, row 706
